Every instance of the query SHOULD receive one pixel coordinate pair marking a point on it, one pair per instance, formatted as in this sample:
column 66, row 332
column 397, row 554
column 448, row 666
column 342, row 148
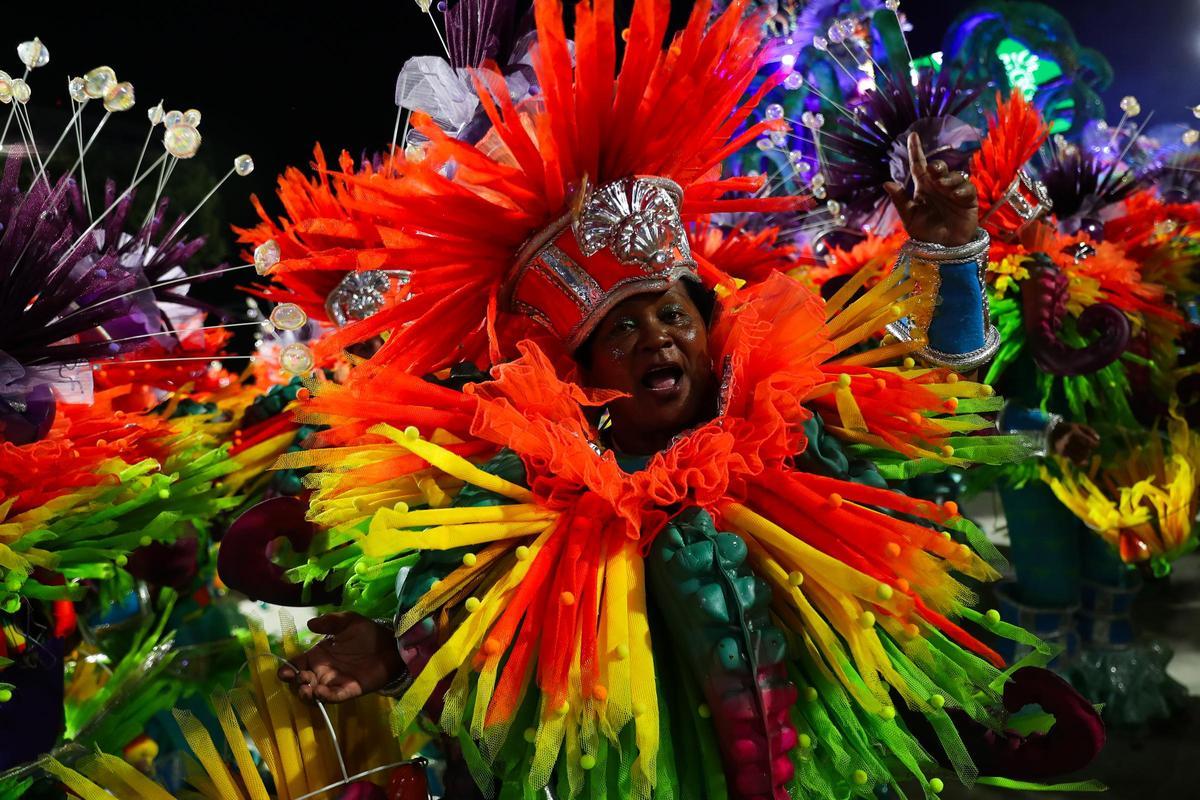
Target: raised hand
column 358, row 656
column 944, row 209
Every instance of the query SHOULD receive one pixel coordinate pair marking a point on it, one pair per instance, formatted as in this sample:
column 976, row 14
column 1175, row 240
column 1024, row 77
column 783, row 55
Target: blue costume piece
column 958, row 326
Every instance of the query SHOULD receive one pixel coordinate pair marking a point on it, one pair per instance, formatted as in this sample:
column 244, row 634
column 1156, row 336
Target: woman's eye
column 673, row 315
column 623, row 326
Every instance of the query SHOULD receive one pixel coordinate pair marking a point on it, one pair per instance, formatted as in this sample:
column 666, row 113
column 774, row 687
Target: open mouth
column 663, row 378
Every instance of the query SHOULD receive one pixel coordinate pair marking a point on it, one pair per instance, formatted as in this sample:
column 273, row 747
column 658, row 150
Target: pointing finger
column 916, row 158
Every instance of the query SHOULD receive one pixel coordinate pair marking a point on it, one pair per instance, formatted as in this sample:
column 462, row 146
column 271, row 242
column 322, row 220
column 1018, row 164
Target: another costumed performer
column 624, row 582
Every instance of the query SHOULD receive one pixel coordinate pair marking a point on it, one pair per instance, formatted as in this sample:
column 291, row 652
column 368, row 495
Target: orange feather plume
column 1015, row 133
column 457, row 217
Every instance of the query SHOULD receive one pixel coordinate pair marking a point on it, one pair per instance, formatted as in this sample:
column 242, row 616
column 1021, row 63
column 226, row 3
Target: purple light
column 788, row 60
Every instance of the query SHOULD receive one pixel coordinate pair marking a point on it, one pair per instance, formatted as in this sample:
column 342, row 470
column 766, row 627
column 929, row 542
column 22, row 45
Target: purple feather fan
column 1081, row 185
column 72, row 293
column 870, row 149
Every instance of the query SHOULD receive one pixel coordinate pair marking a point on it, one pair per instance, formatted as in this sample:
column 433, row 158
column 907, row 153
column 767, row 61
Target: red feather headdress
column 458, row 217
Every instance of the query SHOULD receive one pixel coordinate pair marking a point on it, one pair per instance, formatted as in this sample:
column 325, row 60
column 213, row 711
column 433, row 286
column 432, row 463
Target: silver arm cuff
column 975, row 250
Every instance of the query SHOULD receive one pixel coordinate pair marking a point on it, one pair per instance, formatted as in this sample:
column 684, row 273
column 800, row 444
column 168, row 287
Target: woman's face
column 653, row 347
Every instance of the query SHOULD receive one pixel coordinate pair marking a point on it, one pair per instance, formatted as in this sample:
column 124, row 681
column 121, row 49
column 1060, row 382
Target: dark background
column 273, row 78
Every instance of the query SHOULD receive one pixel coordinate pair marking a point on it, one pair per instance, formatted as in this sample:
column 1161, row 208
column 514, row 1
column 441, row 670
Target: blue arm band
column 958, row 323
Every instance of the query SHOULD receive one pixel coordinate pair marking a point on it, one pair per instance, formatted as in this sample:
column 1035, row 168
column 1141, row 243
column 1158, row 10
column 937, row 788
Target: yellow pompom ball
column 587, row 761
column 522, row 553
column 937, row 701
column 859, row 777
column 472, row 605
column 993, row 616
column 469, row 559
column 936, row 785
column 796, row 578
column 884, row 592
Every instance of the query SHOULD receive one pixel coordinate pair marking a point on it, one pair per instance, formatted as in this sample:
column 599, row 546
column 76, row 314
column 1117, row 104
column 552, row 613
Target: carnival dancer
column 615, row 576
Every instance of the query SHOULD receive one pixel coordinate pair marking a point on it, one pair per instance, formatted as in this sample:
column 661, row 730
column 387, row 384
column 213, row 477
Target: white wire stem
column 347, row 778
column 183, row 223
column 183, row 332
column 878, row 70
column 853, row 78
column 123, row 362
column 151, row 288
column 438, row 31
column 24, row 121
column 90, row 227
column 11, row 111
column 61, row 138
column 1132, row 139
column 145, row 146
column 903, row 38
column 845, row 112
column 163, row 177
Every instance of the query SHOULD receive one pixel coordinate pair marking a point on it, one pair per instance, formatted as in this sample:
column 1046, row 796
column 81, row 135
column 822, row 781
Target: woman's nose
column 656, row 337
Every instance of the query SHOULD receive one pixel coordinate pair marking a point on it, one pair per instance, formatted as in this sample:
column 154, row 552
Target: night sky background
column 273, row 78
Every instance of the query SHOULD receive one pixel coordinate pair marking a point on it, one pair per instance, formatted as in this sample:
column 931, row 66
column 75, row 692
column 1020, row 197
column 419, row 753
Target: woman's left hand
column 944, row 209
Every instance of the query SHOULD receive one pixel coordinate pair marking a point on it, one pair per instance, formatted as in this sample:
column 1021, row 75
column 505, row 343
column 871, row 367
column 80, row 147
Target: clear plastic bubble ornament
column 119, row 97
column 1190, row 136
column 172, row 118
column 288, row 317
column 1196, row 111
column 793, row 81
column 773, row 111
column 763, row 144
column 20, row 91
column 192, row 117
column 33, row 54
column 97, row 81
column 821, row 43
column 778, row 138
column 892, row 5
column 182, row 141
column 1130, row 106
column 835, row 34
column 296, row 358
column 155, row 113
column 833, row 207
column 243, row 165
column 5, row 88
column 76, row 90
column 414, row 153
column 811, row 120
column 266, row 256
